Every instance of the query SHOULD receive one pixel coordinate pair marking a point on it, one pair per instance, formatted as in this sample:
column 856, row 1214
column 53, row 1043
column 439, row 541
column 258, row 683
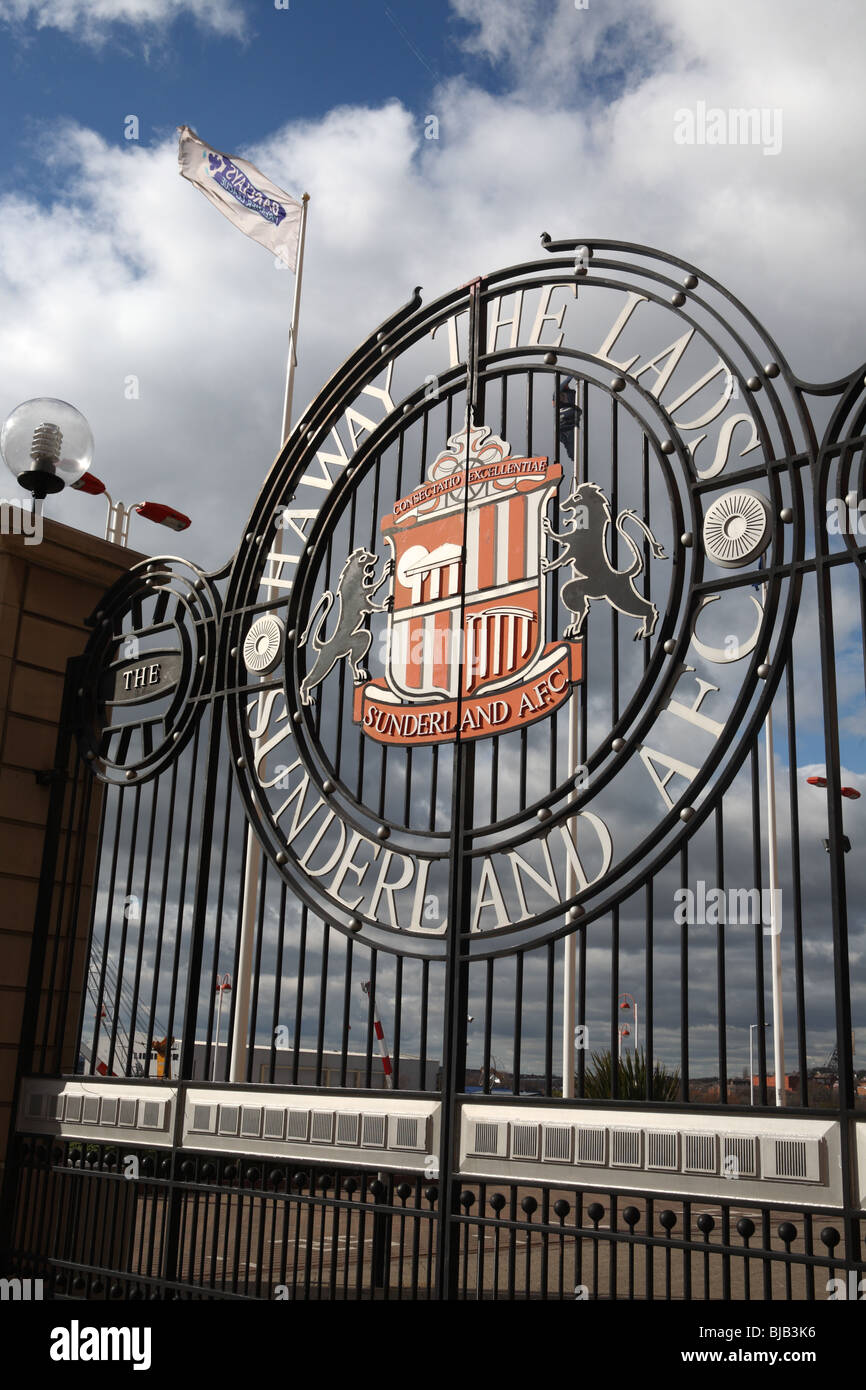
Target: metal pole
column 751, row 1067
column 380, row 1038
column 569, row 982
column 219, row 1021
column 456, row 1010
column 254, row 854
column 775, row 926
column 293, row 338
column 570, row 972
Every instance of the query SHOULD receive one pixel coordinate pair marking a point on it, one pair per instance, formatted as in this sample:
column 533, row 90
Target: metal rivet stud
column 574, row 912
column 201, row 661
column 175, row 737
column 687, row 812
column 754, row 383
column 691, row 282
column 233, row 652
column 199, row 584
column 617, row 383
column 763, row 670
column 248, row 536
column 130, row 776
column 291, row 634
column 90, row 755
column 297, row 716
column 382, row 832
column 667, row 446
column 771, row 369
column 678, row 299
column 354, row 924
column 687, row 539
column 550, row 359
column 670, row 646
column 543, row 813
column 407, row 409
column 618, row 745
column 327, row 787
column 282, row 857
column 787, row 515
column 242, row 762
column 81, row 691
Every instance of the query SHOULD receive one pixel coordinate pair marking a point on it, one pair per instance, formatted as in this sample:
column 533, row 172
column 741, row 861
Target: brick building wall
column 46, row 593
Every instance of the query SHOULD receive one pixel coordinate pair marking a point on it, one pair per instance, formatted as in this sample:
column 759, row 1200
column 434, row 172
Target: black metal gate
column 484, row 801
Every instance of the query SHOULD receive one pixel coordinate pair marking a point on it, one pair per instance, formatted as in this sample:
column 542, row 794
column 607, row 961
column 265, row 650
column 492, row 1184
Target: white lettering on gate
column 489, row 894
column 353, row 422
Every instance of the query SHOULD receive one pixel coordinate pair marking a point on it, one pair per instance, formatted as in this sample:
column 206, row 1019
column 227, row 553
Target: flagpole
column 775, row 926
column 293, row 338
column 249, row 910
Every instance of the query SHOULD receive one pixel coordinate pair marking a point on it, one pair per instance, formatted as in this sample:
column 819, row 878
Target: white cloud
column 131, row 272
column 92, row 21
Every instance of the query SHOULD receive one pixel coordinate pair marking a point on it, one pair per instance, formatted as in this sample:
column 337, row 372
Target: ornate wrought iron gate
column 475, row 719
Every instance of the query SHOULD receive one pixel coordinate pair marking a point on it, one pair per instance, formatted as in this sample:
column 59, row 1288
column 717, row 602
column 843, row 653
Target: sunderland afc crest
column 466, row 652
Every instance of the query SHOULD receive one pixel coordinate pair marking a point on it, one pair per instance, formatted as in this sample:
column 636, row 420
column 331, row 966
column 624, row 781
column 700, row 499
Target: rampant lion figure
column 593, row 576
column 350, row 638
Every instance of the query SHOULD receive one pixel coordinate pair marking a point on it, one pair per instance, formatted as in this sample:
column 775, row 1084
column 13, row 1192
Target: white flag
column 243, row 195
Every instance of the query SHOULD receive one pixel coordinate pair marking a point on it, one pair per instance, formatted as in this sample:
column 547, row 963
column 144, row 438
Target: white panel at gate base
column 722, row 1155
column 385, row 1132
column 101, row 1111
column 860, row 1146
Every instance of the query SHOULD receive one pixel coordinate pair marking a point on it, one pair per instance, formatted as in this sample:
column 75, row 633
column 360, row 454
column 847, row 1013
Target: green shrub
column 632, row 1078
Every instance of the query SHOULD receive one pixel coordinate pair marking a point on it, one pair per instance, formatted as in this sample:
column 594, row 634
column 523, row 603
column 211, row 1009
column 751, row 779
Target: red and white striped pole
column 380, row 1035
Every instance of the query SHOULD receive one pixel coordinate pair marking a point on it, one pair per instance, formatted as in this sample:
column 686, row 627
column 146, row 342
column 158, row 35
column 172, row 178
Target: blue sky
column 549, row 117
column 288, row 63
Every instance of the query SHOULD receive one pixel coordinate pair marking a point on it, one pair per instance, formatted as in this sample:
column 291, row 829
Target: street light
column 46, row 444
column 117, row 519
column 852, row 795
column 221, row 985
column 628, row 1001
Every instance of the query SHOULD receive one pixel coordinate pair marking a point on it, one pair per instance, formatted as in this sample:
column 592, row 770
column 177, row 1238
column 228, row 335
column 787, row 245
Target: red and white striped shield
column 491, row 640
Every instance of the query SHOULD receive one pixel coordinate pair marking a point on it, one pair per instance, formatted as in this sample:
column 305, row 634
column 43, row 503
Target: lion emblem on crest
column 585, row 549
column 351, row 638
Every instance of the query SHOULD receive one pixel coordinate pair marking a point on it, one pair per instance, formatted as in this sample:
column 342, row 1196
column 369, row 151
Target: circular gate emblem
column 497, row 624
column 146, row 667
column 263, row 644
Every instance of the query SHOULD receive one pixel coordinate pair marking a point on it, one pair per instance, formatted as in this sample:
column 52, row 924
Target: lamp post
column 117, row 517
column 628, row 1001
column 623, row 1032
column 221, row 986
column 47, row 445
